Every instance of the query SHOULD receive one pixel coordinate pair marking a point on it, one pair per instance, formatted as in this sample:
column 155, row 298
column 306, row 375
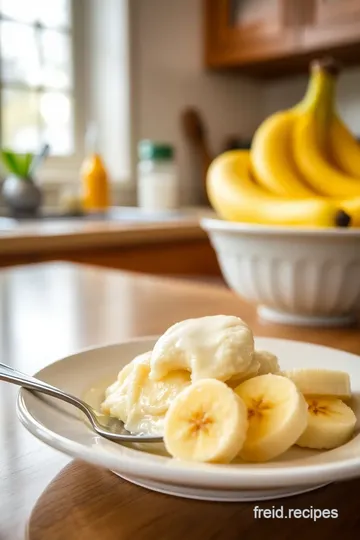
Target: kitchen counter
column 73, row 234
column 127, row 239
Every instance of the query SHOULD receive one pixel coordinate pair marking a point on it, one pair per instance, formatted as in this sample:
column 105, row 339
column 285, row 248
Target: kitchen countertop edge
column 41, row 237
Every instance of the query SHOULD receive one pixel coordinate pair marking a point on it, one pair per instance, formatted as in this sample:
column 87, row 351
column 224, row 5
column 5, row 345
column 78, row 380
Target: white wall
column 168, row 75
column 285, row 93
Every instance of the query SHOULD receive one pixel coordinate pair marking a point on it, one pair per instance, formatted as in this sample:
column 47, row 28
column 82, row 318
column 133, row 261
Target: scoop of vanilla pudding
column 217, row 347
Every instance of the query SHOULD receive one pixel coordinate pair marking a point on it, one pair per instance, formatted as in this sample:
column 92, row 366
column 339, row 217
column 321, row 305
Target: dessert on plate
column 213, row 397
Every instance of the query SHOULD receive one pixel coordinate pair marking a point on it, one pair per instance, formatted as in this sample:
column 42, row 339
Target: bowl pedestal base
column 283, row 317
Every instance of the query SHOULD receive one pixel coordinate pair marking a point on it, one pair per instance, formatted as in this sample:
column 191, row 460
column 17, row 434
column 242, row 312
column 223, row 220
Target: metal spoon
column 110, row 428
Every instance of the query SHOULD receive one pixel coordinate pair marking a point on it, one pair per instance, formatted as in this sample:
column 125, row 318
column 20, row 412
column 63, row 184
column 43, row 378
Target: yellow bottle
column 94, row 177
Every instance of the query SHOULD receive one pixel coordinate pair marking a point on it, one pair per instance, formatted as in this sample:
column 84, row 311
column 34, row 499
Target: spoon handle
column 14, row 376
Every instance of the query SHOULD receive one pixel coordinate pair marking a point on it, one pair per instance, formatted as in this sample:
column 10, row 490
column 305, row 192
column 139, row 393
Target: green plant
column 18, row 164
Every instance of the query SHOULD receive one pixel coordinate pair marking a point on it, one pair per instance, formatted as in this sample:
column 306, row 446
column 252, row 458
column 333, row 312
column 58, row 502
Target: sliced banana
column 277, row 414
column 331, row 423
column 321, row 382
column 206, row 422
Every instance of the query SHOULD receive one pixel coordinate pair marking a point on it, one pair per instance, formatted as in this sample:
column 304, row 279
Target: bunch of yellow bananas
column 303, row 167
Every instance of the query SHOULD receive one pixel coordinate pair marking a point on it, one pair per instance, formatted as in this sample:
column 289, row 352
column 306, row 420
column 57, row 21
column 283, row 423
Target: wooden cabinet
column 247, row 31
column 332, row 24
column 266, row 36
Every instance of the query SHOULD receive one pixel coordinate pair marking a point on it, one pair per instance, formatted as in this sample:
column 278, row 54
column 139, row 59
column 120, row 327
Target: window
column 64, row 63
column 36, row 76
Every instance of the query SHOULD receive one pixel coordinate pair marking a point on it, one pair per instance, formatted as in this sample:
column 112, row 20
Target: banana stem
column 320, row 95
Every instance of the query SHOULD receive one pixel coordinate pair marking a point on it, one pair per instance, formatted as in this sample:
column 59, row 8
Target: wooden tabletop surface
column 49, row 311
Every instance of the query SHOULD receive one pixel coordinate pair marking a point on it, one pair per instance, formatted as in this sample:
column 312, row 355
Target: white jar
column 158, row 186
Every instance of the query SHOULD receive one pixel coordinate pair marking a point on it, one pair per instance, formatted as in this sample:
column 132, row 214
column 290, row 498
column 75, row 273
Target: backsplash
column 167, row 40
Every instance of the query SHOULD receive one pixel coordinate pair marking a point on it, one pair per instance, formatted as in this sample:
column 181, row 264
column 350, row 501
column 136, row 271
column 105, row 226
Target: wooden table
column 51, row 310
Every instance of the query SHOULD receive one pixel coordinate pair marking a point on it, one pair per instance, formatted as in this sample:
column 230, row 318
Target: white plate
column 298, row 470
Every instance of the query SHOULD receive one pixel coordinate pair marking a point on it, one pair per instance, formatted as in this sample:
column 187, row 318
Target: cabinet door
column 240, row 32
column 332, row 24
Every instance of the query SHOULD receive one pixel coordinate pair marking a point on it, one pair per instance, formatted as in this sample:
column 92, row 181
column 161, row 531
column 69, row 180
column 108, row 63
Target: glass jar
column 158, row 187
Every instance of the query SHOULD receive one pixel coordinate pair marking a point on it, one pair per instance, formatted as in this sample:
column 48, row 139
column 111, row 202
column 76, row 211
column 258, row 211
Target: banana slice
column 321, row 382
column 206, row 422
column 331, row 423
column 277, row 414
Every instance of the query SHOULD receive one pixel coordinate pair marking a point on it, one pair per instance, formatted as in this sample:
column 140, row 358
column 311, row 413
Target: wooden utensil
column 194, row 130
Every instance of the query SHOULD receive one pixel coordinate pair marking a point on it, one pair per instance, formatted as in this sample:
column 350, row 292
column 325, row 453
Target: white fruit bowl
column 295, row 276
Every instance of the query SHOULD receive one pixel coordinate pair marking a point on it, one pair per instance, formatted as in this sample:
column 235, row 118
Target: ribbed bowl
column 295, row 276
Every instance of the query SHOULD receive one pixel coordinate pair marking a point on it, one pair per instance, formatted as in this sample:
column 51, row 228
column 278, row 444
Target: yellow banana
column 344, row 148
column 290, row 155
column 235, row 197
column 271, row 156
column 310, row 141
